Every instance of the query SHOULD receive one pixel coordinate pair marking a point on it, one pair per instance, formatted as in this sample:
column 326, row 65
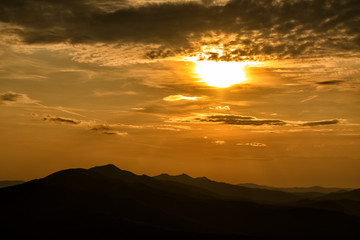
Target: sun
column 220, row 74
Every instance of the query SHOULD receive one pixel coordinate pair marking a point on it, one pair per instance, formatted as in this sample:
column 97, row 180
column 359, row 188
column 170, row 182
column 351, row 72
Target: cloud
column 112, row 54
column 167, row 127
column 233, row 119
column 219, row 142
column 110, row 5
column 138, row 109
column 208, row 2
column 173, row 98
column 252, row 144
column 110, row 129
column 331, row 82
column 319, row 123
column 106, row 129
column 268, row 29
column 10, row 97
column 237, row 120
column 115, row 133
column 61, row 109
column 89, row 125
column 100, row 128
column 61, row 120
column 309, row 98
column 226, row 108
column 170, row 127
column 101, row 93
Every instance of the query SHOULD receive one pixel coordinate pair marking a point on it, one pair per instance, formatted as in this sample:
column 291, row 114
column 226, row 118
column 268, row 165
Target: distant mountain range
column 317, row 189
column 229, row 191
column 106, row 202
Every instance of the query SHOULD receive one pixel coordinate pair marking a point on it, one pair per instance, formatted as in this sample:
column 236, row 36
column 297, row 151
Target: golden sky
column 238, row 91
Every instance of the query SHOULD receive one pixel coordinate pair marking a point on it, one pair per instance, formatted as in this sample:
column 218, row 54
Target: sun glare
column 220, row 74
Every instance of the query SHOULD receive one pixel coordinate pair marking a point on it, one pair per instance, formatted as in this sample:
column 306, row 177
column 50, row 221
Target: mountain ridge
column 315, row 188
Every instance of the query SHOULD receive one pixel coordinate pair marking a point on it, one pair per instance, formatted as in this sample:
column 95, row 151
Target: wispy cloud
column 106, row 129
column 221, row 108
column 61, row 109
column 115, row 133
column 86, row 124
column 102, row 93
column 173, row 98
column 119, row 129
column 61, row 120
column 330, row 82
column 138, row 109
column 233, row 119
column 319, row 123
column 11, row 98
column 252, row 144
column 167, row 127
column 309, row 98
column 219, row 142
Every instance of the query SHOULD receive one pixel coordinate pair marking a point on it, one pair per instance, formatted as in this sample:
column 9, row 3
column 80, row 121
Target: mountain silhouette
column 106, row 202
column 111, row 171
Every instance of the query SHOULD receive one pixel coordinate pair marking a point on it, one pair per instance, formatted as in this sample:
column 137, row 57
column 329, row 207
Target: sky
column 239, row 91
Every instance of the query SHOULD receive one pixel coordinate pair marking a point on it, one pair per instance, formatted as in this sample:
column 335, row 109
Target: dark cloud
column 106, row 129
column 90, row 125
column 10, row 96
column 238, row 120
column 331, row 82
column 233, row 119
column 115, row 133
column 13, row 97
column 319, row 123
column 100, row 128
column 61, row 120
column 81, row 21
column 280, row 29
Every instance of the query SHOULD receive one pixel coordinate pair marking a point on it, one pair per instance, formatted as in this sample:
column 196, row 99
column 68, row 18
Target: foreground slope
column 108, row 203
column 10, row 183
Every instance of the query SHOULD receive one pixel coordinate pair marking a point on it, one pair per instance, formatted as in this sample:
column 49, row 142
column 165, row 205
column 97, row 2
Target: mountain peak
column 111, row 171
column 203, row 179
column 108, row 167
column 184, row 175
column 180, row 178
